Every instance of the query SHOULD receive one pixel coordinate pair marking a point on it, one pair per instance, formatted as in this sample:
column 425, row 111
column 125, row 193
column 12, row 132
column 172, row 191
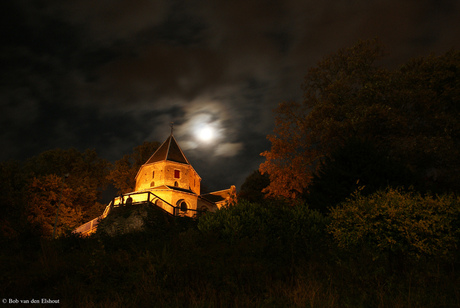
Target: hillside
column 249, row 255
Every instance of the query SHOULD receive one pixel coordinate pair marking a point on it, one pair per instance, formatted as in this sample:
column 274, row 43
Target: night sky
column 111, row 74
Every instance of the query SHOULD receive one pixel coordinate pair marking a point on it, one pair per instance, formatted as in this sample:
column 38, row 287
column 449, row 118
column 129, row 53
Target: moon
column 206, row 133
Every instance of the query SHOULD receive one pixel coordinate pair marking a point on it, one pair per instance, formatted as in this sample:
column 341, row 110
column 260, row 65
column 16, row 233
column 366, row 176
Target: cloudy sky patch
column 112, row 74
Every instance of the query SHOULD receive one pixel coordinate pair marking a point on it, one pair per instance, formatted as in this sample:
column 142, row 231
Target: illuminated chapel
column 168, row 181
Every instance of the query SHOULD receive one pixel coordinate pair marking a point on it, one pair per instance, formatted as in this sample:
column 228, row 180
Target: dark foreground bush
column 397, row 222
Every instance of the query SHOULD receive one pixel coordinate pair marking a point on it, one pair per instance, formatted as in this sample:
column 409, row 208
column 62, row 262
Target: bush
column 281, row 229
column 244, row 219
column 402, row 223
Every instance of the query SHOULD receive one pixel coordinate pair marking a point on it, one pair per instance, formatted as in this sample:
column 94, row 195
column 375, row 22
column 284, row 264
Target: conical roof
column 169, row 150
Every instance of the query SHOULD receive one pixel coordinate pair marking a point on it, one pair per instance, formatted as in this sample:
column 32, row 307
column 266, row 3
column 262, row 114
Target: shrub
column 396, row 222
column 282, row 230
column 244, row 219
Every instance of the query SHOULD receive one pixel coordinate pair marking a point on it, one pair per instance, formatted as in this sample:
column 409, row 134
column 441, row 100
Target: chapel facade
column 168, row 180
column 170, row 177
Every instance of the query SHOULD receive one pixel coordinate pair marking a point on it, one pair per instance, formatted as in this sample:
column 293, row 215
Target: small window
column 176, row 174
column 152, row 184
column 183, row 206
column 153, row 175
column 176, row 184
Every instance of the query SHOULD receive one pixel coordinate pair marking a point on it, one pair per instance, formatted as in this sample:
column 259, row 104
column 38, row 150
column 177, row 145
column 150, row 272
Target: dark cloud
column 112, row 74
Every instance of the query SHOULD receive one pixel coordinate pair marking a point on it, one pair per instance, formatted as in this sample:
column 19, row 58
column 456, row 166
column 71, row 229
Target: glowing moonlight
column 206, row 133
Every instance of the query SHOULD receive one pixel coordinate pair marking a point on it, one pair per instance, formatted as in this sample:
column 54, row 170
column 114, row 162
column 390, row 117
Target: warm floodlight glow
column 206, row 133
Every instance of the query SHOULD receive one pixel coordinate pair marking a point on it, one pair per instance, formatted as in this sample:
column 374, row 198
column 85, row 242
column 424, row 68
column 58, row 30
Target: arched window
column 152, row 184
column 176, row 184
column 153, row 175
column 183, row 206
column 159, row 203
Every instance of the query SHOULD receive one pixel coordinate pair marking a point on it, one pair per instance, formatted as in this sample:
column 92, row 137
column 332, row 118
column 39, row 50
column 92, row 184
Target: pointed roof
column 169, row 150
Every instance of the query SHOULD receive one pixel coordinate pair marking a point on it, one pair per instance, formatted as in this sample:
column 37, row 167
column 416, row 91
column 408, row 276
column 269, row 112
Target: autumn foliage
column 411, row 112
column 33, row 190
column 45, row 195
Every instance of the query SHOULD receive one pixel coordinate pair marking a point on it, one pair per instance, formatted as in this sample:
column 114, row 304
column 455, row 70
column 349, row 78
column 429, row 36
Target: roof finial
column 172, row 127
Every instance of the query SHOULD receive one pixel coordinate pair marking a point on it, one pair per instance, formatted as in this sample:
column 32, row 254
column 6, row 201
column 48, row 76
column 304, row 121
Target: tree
column 29, row 187
column 410, row 112
column 88, row 173
column 45, row 195
column 125, row 170
column 251, row 189
column 427, row 94
column 356, row 166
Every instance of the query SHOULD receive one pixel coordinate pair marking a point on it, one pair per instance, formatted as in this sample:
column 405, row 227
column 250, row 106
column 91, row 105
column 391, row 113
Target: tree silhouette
column 124, row 172
column 357, row 166
column 411, row 112
column 251, row 189
column 45, row 195
column 88, row 173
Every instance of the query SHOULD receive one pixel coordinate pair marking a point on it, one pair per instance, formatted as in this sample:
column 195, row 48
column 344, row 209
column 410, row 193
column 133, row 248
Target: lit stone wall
column 206, row 206
column 175, row 198
column 168, row 173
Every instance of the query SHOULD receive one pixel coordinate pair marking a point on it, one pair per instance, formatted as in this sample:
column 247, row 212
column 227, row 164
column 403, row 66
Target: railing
column 144, row 197
column 88, row 227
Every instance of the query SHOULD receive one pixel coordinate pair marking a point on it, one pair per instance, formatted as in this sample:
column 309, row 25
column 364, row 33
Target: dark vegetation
column 370, row 117
column 373, row 219
column 390, row 249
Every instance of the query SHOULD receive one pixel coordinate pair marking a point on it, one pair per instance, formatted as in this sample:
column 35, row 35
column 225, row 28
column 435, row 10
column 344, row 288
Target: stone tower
column 169, row 175
column 168, row 166
column 168, row 181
